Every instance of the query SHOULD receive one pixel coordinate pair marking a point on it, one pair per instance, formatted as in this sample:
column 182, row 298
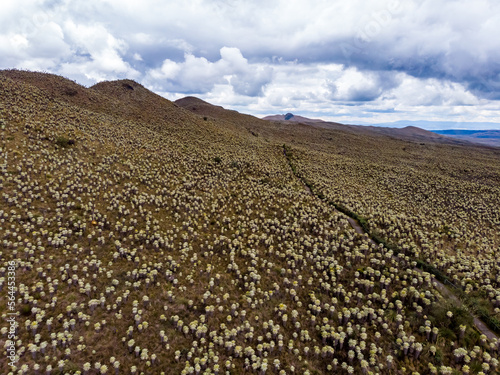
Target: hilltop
column 151, row 236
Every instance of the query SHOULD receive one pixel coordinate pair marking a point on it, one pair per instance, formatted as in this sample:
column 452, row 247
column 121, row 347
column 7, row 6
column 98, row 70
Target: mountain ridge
column 410, row 132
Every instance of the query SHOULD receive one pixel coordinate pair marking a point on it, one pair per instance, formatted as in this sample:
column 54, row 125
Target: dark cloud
column 252, row 83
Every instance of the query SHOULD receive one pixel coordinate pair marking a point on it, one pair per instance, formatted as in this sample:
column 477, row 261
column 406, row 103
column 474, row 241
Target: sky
column 356, row 62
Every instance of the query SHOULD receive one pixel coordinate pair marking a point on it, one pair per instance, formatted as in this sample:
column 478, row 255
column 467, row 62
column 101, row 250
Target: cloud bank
column 354, row 62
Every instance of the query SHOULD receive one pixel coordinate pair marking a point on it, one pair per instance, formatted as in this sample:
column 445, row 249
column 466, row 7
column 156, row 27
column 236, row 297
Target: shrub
column 26, row 310
column 64, row 142
column 70, row 92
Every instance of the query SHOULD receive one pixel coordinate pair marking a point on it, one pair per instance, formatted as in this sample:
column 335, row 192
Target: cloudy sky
column 356, row 61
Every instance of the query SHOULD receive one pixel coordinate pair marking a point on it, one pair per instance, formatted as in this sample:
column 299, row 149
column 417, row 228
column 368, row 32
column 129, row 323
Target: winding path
column 445, row 292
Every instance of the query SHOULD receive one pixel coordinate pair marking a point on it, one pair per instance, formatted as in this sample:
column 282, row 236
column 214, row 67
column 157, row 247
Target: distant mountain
column 408, row 133
column 291, row 117
column 486, row 137
column 437, row 125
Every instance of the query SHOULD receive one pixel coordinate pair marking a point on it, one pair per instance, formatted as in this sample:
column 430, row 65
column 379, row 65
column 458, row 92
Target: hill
column 291, row 117
column 153, row 237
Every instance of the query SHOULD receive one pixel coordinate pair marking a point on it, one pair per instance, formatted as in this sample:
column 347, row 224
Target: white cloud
column 333, row 58
column 98, row 54
column 199, row 75
column 359, row 86
column 431, row 92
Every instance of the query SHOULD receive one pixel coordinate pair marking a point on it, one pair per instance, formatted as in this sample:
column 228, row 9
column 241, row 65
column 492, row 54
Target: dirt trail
column 443, row 289
column 445, row 292
column 355, row 225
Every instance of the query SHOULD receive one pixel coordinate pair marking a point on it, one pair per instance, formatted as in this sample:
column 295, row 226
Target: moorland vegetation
column 155, row 237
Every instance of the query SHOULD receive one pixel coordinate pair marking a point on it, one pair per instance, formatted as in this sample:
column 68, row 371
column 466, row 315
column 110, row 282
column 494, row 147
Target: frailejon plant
column 136, row 252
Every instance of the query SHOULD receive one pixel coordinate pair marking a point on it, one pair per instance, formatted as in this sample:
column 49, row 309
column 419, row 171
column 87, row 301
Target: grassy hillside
column 151, row 236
